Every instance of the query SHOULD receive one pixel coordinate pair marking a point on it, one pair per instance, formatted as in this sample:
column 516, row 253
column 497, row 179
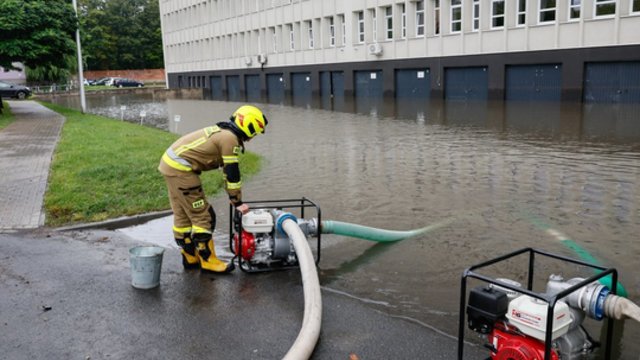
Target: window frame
column 274, row 39
column 475, row 15
column 292, row 39
column 436, row 17
column 571, row 7
column 542, row 12
column 374, row 24
column 309, row 26
column 388, row 21
column 420, row 19
column 521, row 13
column 403, row 20
column 454, row 22
column 332, row 32
column 360, row 27
column 599, row 3
column 494, row 17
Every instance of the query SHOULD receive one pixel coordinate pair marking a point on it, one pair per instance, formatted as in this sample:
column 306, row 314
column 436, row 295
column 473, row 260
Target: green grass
column 105, row 168
column 6, row 117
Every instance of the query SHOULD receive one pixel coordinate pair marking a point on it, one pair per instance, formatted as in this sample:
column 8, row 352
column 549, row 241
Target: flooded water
column 498, row 175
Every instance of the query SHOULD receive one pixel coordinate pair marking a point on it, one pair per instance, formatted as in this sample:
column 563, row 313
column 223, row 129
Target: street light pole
column 83, row 101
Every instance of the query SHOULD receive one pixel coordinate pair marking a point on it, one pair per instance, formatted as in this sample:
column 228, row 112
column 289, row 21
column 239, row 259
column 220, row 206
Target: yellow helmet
column 250, row 120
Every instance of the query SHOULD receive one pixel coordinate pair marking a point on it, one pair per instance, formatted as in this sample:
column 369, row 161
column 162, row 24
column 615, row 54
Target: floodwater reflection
column 498, row 173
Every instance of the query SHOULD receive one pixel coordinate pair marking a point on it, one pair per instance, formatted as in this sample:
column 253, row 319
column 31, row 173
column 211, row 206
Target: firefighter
column 210, row 148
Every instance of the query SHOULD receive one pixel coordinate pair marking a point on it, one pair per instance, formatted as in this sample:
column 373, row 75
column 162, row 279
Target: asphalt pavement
column 68, row 294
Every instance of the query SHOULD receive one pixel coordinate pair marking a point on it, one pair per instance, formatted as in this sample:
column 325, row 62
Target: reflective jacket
column 206, row 149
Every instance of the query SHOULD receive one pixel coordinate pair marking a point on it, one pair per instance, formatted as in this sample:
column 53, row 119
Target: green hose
column 374, row 234
column 582, row 253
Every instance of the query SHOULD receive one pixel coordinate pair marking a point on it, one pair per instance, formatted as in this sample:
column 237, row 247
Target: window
column 436, row 17
column 274, row 39
column 309, row 25
column 635, row 6
column 476, row 15
column 403, row 20
column 456, row 16
column 420, row 18
column 605, row 8
column 374, row 24
column 497, row 14
column 547, row 11
column 360, row 26
column 332, row 32
column 292, row 43
column 388, row 20
column 521, row 14
column 344, row 30
column 574, row 9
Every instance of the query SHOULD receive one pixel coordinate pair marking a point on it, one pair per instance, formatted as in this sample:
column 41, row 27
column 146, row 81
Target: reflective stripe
column 182, row 230
column 174, row 164
column 177, row 158
column 208, row 131
column 191, row 145
column 199, row 230
column 234, row 186
column 230, row 159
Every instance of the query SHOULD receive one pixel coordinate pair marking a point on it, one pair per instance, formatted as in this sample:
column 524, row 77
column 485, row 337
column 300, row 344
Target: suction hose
column 375, row 234
column 309, row 333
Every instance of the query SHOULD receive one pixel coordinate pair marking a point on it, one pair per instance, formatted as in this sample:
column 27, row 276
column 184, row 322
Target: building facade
column 575, row 50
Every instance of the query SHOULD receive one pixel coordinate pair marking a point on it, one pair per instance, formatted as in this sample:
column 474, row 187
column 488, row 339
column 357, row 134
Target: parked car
column 123, row 82
column 14, row 91
column 108, row 81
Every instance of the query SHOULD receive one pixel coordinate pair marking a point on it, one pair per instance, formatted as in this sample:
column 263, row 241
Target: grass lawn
column 6, row 117
column 105, row 168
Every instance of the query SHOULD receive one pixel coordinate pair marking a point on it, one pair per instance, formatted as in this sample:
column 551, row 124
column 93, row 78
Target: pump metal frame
column 300, row 204
column 550, row 300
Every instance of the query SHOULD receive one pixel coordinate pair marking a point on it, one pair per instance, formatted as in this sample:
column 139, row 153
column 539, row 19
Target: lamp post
column 83, row 101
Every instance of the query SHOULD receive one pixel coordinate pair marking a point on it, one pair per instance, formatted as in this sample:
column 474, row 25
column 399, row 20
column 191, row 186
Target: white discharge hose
column 621, row 308
column 312, row 320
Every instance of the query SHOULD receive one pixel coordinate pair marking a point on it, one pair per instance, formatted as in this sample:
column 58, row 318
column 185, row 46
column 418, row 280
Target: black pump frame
column 550, row 300
column 286, row 204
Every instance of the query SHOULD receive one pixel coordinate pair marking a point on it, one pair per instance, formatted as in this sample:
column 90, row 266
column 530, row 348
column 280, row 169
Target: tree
column 39, row 34
column 121, row 34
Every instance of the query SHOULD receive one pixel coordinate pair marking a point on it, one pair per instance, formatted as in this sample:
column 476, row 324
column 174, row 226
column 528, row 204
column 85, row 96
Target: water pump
column 519, row 324
column 259, row 242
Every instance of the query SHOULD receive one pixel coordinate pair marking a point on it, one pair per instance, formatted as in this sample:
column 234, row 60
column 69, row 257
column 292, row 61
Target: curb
column 117, row 223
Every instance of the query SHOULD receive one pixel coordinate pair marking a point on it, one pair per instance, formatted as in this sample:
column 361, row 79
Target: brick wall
column 146, row 75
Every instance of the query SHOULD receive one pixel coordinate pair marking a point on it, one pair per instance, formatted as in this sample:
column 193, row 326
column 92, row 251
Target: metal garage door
column 470, row 83
column 612, row 82
column 368, row 91
column 275, row 88
column 233, row 88
column 252, row 86
column 216, row 88
column 301, row 89
column 533, row 83
column 413, row 84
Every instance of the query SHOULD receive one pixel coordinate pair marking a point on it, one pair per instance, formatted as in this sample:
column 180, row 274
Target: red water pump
column 258, row 241
column 518, row 323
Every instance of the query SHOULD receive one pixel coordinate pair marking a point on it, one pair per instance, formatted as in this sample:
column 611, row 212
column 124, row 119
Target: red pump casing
column 511, row 346
column 248, row 245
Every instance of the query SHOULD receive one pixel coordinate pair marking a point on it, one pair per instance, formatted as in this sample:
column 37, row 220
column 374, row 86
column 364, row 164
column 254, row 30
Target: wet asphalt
column 68, row 295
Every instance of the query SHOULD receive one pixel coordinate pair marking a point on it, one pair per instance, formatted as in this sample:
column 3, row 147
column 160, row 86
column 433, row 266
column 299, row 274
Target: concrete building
column 576, row 50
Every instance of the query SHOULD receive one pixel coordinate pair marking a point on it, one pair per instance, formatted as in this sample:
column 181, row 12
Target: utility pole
column 83, row 100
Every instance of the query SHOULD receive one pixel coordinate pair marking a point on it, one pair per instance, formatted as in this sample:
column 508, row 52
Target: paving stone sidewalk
column 26, row 149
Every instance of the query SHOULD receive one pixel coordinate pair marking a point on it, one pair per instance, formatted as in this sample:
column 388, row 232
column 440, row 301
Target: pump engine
column 515, row 324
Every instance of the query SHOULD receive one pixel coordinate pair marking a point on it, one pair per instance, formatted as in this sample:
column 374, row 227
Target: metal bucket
column 146, row 262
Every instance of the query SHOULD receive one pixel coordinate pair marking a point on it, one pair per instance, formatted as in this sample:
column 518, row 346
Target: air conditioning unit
column 262, row 59
column 247, row 60
column 375, row 49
